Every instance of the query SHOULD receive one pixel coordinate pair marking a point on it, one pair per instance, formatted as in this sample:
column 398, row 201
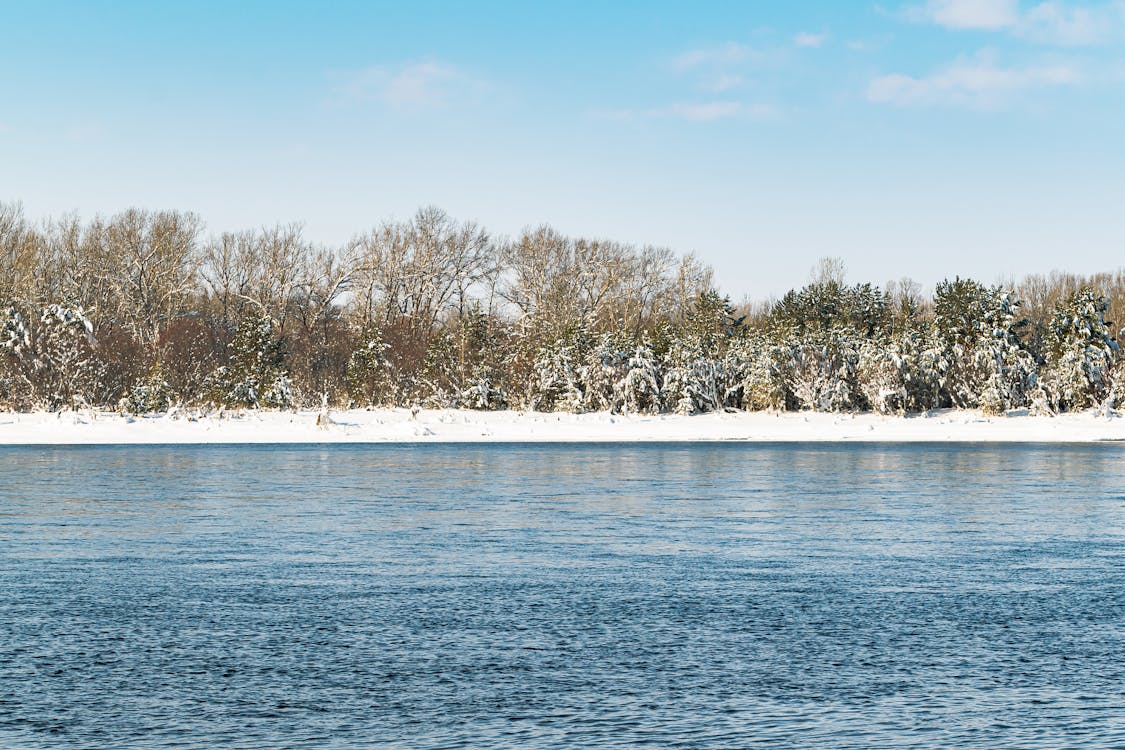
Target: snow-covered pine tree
column 638, row 392
column 370, row 374
column 900, row 373
column 556, row 383
column 53, row 358
column 151, row 394
column 602, row 369
column 984, row 363
column 881, row 375
column 821, row 371
column 1081, row 356
column 437, row 384
column 478, row 375
column 694, row 380
column 754, row 377
column 255, row 375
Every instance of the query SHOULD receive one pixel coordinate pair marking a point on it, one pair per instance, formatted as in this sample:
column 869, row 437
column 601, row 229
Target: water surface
column 547, row 596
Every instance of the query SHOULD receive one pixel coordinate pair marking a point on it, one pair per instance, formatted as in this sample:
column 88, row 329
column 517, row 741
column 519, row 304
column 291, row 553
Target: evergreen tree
column 984, row 363
column 557, row 382
column 755, row 380
column 370, row 374
column 255, row 375
column 1079, row 372
column 639, row 391
column 149, row 395
column 54, row 358
column 693, row 363
column 821, row 371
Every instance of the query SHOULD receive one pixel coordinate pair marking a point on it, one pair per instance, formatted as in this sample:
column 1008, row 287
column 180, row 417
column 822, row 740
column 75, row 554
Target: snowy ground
column 400, row 425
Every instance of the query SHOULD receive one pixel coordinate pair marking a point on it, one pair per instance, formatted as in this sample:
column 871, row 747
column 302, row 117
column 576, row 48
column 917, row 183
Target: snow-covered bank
column 400, row 425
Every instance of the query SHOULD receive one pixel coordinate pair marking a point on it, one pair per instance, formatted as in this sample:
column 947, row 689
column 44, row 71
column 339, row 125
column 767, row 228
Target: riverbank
column 402, row 425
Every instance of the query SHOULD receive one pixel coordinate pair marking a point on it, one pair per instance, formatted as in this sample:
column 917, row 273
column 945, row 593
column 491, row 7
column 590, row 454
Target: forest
column 144, row 312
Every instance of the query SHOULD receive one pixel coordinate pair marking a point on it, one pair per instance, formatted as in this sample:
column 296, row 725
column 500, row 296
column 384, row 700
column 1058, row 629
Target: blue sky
column 923, row 139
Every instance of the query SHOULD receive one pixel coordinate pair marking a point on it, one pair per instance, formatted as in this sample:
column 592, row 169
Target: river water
column 585, row 596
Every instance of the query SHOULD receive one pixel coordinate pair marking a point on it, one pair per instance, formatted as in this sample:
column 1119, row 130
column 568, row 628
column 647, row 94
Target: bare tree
column 415, row 272
column 149, row 268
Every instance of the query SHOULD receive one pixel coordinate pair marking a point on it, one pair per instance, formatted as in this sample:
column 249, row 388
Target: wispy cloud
column 702, row 111
column 808, row 39
column 729, row 53
column 1056, row 23
column 699, row 112
column 418, row 85
column 717, row 68
column 1051, row 22
column 977, row 82
column 968, row 14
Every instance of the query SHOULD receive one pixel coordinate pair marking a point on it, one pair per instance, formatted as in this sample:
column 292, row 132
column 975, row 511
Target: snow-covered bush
column 151, row 394
column 482, row 392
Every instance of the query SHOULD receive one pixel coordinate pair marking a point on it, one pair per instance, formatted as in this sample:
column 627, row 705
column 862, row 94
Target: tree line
column 142, row 312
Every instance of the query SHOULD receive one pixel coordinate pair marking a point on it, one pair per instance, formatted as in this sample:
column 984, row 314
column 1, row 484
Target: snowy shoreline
column 461, row 426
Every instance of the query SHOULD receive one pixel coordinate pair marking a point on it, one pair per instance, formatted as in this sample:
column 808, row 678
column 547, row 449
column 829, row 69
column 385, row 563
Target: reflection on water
column 544, row 596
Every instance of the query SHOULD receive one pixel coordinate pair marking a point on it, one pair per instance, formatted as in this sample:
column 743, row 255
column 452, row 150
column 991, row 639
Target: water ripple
column 709, row 596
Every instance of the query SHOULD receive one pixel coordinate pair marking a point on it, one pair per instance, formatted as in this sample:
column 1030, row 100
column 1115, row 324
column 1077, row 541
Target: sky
column 922, row 139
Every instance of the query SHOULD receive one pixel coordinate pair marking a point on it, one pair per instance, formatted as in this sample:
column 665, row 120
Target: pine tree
column 255, row 375
column 370, row 374
column 821, row 373
column 754, row 377
column 54, row 358
column 556, row 383
column 984, row 363
column 1079, row 372
column 149, row 395
column 638, row 392
column 603, row 368
column 693, row 365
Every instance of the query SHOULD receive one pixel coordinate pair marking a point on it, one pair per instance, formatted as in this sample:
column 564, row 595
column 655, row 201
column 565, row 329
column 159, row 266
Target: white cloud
column 411, row 86
column 807, row 39
column 976, row 82
column 730, row 53
column 970, row 14
column 703, row 112
column 717, row 68
column 698, row 112
column 1049, row 22
column 1056, row 23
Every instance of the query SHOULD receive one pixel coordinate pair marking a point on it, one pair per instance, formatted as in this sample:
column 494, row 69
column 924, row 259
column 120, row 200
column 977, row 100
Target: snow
column 450, row 425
